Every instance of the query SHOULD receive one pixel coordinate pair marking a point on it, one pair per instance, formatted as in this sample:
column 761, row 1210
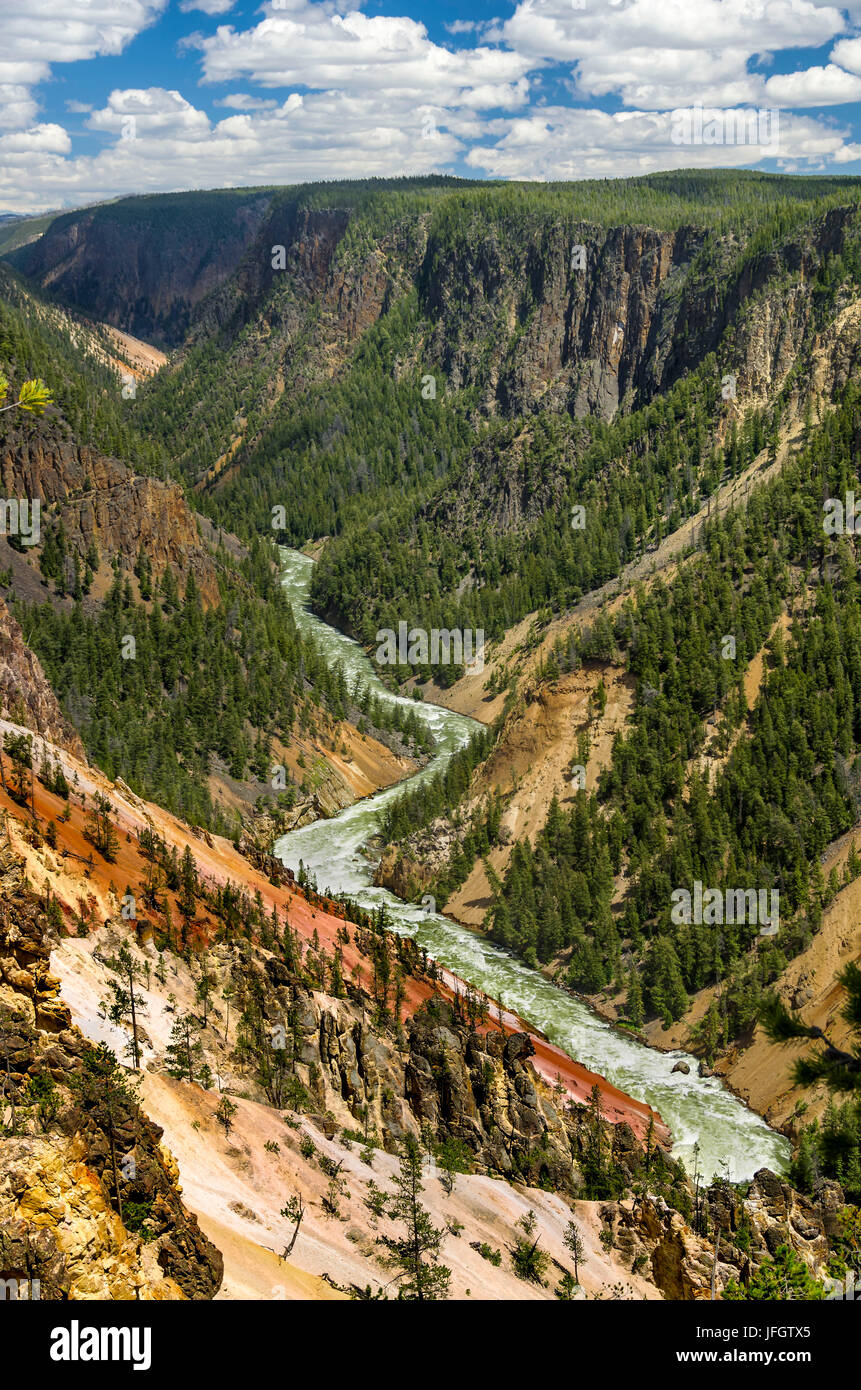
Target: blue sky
column 105, row 97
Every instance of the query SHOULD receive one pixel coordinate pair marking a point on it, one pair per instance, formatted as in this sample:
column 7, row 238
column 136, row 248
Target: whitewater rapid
column 733, row 1140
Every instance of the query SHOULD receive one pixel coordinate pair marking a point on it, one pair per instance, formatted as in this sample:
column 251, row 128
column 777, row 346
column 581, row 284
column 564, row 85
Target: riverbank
column 701, row 1114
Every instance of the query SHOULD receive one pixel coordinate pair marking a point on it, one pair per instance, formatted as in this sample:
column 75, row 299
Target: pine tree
column 574, row 1242
column 127, row 1005
column 106, row 1095
column 415, row 1254
column 100, row 830
column 184, row 1057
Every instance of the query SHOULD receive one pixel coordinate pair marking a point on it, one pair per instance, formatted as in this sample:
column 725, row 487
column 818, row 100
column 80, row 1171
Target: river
column 732, row 1139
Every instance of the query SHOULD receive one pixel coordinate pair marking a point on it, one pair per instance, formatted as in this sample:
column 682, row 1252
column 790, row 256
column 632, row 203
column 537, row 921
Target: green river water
column 697, row 1109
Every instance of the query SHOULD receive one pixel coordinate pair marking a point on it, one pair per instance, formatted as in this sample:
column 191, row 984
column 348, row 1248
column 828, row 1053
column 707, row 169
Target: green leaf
column 34, row 396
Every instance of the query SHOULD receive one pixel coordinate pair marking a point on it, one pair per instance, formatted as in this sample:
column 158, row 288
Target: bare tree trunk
column 135, row 1052
column 715, row 1264
column 289, row 1249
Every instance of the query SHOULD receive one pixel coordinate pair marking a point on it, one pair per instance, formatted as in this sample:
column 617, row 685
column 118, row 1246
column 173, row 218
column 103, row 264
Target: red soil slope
column 85, row 884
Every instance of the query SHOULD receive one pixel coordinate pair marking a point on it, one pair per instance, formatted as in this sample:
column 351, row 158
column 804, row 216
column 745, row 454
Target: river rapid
column 732, row 1139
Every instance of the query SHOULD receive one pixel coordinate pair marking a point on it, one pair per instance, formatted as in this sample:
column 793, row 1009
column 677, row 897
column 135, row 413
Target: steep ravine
column 699, row 1110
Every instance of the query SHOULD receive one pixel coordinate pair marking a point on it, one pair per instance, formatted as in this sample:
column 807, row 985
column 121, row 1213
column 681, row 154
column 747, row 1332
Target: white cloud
column 207, row 6
column 154, row 113
column 848, row 52
column 662, row 53
column 828, row 86
column 17, row 105
column 19, row 146
column 312, row 45
column 566, row 143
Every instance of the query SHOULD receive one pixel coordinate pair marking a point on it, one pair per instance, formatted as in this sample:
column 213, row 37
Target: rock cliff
column 100, row 501
column 742, row 1231
column 25, row 695
column 143, row 264
column 89, row 1205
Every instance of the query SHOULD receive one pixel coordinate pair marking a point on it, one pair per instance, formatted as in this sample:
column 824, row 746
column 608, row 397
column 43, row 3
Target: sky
column 100, row 98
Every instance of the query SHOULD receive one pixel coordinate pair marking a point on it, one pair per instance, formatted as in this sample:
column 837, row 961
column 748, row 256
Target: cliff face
column 575, row 329
column 61, row 1147
column 751, row 1230
column 462, row 1083
column 305, row 240
column 25, row 695
column 143, row 264
column 639, row 313
column 100, row 500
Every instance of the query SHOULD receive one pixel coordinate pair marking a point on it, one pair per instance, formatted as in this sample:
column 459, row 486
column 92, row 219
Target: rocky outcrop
column 89, row 1204
column 451, row 1076
column 144, row 264
column 102, row 502
column 745, row 1231
column 25, row 695
column 639, row 314
column 408, row 873
column 480, row 1089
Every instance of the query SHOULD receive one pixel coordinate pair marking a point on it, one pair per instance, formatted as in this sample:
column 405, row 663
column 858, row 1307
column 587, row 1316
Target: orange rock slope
column 89, row 887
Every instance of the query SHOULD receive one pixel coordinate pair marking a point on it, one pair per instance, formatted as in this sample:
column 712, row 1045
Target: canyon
column 309, row 920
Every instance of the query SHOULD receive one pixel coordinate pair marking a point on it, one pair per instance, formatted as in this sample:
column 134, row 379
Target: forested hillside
column 600, row 422
column 435, row 375
column 593, row 896
column 172, row 650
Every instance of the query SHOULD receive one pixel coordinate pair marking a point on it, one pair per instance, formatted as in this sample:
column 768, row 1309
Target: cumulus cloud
column 566, row 143
column 17, row 105
column 848, row 52
column 663, row 53
column 327, row 91
column 314, row 46
column 152, row 114
column 207, row 6
column 828, row 86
